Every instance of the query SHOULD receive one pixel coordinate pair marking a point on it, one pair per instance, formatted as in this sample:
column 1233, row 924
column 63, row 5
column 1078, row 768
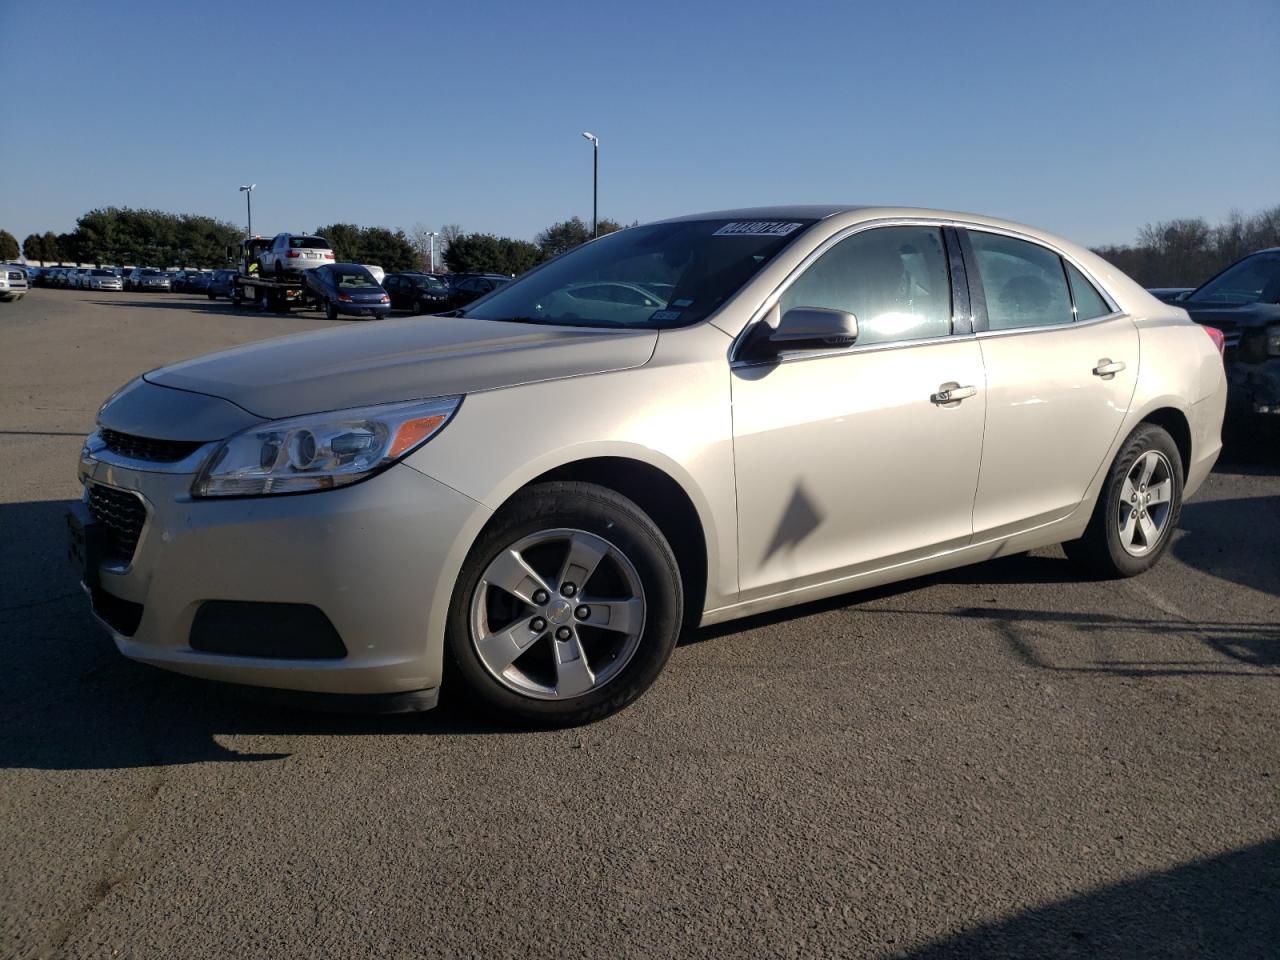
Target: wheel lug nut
column 582, row 612
column 564, row 633
column 540, row 597
column 568, row 589
column 537, row 624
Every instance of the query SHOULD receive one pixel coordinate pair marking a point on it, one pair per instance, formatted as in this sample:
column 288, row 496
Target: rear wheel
column 1137, row 509
column 330, row 310
column 567, row 607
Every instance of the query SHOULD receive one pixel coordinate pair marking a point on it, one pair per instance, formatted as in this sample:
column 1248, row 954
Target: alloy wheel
column 557, row 614
column 1146, row 500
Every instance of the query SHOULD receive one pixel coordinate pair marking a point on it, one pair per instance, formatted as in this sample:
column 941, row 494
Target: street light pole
column 595, row 182
column 247, row 190
column 433, row 235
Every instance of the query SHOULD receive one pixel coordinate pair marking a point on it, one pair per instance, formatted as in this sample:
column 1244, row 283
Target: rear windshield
column 660, row 275
column 308, row 243
column 150, row 273
column 103, row 273
column 356, row 280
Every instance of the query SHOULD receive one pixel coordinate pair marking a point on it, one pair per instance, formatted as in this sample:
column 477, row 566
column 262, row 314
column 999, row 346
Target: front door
column 848, row 461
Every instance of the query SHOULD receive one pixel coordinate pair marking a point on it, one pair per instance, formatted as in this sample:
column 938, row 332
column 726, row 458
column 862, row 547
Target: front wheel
column 330, row 310
column 567, row 607
column 1137, row 509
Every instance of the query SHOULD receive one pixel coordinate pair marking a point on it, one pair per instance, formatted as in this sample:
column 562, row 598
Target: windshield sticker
column 664, row 316
column 757, row 228
column 682, row 303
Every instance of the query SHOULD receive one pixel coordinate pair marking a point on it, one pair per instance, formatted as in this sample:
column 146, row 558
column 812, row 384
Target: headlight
column 320, row 451
column 1273, row 341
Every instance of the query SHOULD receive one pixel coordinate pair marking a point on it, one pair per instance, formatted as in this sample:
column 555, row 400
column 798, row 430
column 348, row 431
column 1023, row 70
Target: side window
column 1088, row 301
column 893, row 279
column 1024, row 283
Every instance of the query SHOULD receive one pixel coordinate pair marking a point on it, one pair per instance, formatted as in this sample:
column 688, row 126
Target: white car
column 293, row 253
column 13, row 282
column 532, row 498
column 76, row 278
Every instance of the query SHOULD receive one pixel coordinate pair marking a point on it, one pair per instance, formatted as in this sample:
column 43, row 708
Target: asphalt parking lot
column 1007, row 760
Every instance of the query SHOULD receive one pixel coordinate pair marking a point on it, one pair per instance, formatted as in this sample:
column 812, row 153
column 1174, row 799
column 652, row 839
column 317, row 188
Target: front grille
column 144, row 448
column 122, row 515
column 17, row 275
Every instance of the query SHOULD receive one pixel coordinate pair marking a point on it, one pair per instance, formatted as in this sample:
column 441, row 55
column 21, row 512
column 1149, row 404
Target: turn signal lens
column 414, row 432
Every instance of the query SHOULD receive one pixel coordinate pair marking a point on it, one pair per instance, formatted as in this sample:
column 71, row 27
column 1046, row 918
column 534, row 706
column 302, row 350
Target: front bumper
column 378, row 559
column 1255, row 387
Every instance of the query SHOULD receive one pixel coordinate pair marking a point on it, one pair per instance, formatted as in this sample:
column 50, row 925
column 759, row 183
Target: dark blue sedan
column 348, row 290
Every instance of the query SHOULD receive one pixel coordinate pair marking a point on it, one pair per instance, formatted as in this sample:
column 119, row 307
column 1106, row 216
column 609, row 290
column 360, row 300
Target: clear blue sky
column 1088, row 119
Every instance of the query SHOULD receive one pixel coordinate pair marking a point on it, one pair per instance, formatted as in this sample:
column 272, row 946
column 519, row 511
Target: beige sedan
column 677, row 424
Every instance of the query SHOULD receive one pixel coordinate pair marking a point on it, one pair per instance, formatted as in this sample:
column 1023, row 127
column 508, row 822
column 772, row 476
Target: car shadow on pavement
column 1223, row 906
column 69, row 700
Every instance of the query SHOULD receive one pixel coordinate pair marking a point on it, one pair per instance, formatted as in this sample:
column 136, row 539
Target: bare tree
column 420, row 240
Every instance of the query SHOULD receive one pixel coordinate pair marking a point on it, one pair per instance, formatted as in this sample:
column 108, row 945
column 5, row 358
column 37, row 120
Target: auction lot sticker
column 757, row 228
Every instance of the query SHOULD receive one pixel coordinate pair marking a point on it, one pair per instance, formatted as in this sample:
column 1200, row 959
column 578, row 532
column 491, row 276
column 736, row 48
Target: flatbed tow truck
column 274, row 294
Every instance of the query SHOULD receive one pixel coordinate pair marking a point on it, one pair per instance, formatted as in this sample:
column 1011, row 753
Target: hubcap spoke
column 510, row 572
column 1149, row 531
column 1149, row 462
column 1129, row 527
column 573, row 675
column 500, row 649
column 623, row 616
column 1160, row 492
column 581, row 562
column 1127, row 490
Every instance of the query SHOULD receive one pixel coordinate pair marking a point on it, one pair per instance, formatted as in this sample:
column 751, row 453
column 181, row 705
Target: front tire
column 1137, row 509
column 330, row 310
column 567, row 607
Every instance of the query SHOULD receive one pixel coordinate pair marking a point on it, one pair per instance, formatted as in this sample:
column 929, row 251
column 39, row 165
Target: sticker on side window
column 757, row 228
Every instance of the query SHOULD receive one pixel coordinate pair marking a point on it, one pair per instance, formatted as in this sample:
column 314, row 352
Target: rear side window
column 1024, row 284
column 1088, row 300
column 308, row 243
column 894, row 280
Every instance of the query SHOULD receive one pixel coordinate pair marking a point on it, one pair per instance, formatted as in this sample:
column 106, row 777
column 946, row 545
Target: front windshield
column 661, row 275
column 427, row 283
column 1252, row 279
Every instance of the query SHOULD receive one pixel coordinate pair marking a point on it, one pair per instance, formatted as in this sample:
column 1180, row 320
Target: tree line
column 1187, row 252
column 1183, row 252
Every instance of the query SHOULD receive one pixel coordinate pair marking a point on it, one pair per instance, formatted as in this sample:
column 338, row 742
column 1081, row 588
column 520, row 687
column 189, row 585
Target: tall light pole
column 248, row 204
column 595, row 182
column 433, row 236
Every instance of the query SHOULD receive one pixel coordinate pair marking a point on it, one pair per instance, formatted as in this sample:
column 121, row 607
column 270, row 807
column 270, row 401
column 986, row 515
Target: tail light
column 293, row 254
column 1218, row 339
column 384, row 299
column 344, row 297
column 328, row 256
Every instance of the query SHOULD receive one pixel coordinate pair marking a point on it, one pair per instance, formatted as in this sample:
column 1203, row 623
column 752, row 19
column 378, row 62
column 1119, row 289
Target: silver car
column 13, row 282
column 102, row 280
column 532, row 499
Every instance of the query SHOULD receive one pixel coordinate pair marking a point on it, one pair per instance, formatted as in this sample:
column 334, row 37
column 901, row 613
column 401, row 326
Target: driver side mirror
column 814, row 328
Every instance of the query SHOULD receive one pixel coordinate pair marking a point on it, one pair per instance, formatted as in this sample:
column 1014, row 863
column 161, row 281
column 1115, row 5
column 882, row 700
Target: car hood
column 395, row 360
column 1233, row 316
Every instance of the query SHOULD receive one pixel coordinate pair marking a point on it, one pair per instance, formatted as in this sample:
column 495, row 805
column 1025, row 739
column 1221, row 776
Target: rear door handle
column 952, row 393
column 1107, row 367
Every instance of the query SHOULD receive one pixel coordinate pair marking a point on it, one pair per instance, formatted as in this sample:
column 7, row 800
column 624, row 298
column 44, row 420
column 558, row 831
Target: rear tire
column 330, row 310
column 1137, row 509
column 594, row 671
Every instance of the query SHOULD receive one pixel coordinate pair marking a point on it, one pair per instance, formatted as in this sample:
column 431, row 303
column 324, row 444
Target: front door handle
column 950, row 394
column 1108, row 368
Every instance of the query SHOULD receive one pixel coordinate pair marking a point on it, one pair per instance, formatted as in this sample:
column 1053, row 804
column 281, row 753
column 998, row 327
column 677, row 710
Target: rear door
column 1061, row 364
